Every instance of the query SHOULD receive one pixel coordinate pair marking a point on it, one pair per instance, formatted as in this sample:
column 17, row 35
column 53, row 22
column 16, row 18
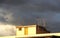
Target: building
column 30, row 30
column 26, row 30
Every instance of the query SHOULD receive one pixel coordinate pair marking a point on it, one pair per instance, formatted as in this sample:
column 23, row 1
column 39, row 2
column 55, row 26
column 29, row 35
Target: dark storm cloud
column 26, row 11
column 36, row 5
column 15, row 2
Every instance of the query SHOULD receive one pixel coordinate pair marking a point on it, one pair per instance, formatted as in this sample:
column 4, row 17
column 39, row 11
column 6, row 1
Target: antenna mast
column 41, row 22
column 44, row 22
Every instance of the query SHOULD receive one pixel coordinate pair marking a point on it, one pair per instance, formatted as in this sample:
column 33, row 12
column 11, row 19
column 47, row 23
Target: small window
column 20, row 29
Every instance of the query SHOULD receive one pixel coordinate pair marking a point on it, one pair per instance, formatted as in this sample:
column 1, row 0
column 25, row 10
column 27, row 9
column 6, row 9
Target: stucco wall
column 31, row 30
column 8, row 37
column 19, row 33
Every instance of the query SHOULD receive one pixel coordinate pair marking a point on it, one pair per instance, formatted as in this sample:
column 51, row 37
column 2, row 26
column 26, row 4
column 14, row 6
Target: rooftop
column 25, row 26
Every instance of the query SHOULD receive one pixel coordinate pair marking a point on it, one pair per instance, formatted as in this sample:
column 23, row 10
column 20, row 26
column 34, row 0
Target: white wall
column 19, row 33
column 8, row 37
column 31, row 30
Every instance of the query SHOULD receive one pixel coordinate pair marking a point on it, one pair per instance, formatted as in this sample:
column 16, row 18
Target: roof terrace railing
column 41, row 35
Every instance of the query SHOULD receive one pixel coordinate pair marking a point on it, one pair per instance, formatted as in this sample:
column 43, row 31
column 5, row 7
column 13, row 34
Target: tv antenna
column 41, row 22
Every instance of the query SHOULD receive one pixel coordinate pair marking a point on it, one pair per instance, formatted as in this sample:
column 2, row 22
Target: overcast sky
column 26, row 12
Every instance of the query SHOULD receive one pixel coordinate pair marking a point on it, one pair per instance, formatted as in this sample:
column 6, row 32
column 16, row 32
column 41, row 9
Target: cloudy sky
column 26, row 12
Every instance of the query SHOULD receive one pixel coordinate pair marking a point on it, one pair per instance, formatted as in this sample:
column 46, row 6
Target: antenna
column 44, row 23
column 37, row 21
column 41, row 22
